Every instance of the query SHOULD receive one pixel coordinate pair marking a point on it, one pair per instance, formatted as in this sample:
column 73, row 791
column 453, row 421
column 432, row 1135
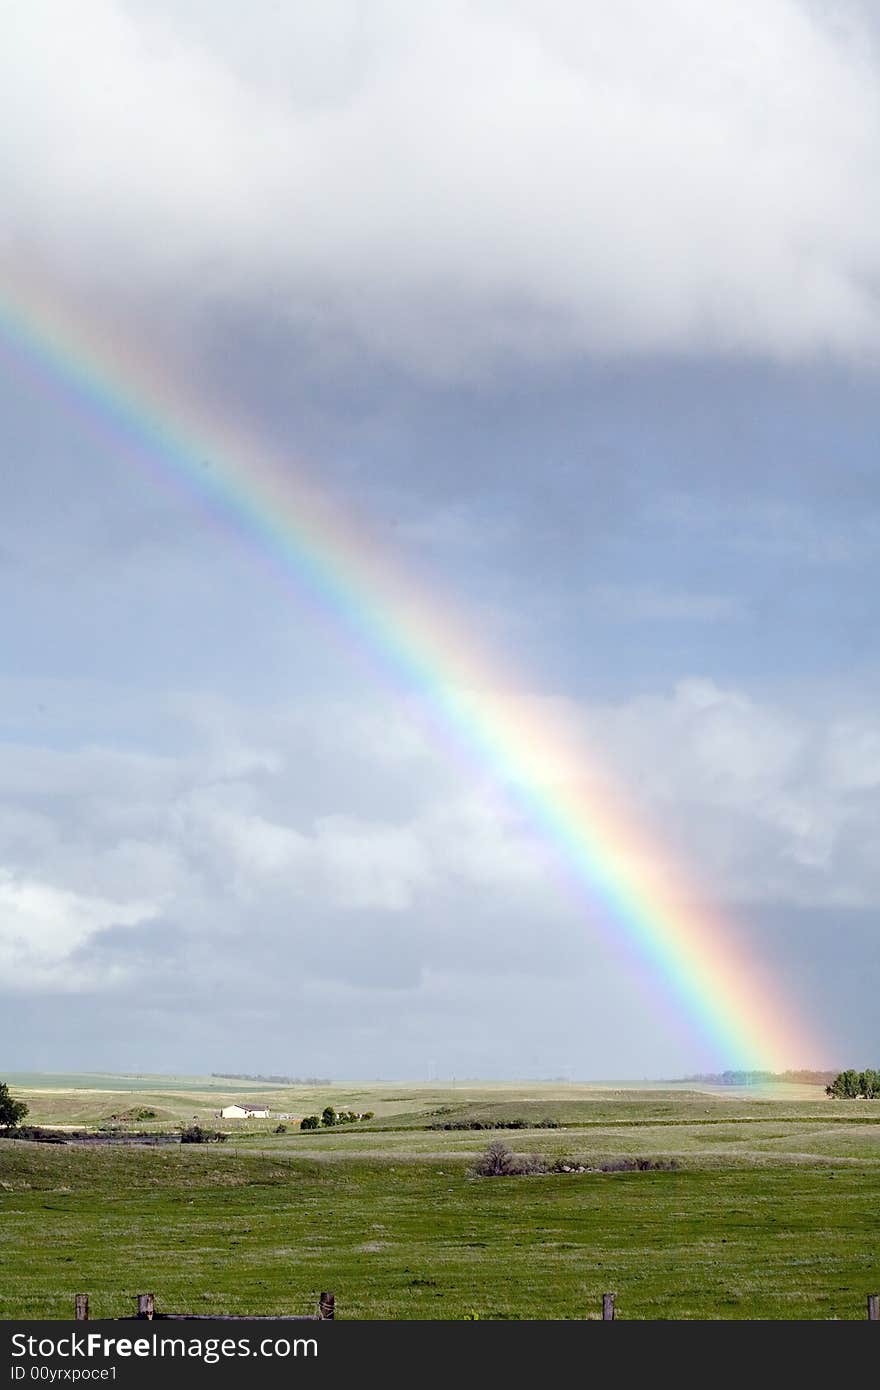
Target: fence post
column 608, row 1313
column 146, row 1305
column 327, row 1305
column 874, row 1307
column 82, row 1307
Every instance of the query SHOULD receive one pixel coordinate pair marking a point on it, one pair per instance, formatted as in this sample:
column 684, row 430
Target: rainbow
column 623, row 881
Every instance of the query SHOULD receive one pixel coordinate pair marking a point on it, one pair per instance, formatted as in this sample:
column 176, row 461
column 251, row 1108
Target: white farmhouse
column 245, row 1110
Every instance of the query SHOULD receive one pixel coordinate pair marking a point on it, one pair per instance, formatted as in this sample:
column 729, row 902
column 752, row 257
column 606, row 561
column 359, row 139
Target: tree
column 12, row 1111
column 309, row 1122
column 851, row 1084
column 328, row 1116
column 496, row 1162
column 845, row 1085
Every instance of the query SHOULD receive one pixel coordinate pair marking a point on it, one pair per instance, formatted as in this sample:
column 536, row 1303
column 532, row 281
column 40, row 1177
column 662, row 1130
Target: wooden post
column 146, row 1305
column 608, row 1313
column 874, row 1307
column 82, row 1307
column 327, row 1305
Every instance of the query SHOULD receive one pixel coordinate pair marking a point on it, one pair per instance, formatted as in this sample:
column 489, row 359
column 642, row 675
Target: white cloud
column 454, row 183
column 341, row 862
column 168, row 881
column 228, row 838
column 42, row 927
column 769, row 804
column 773, row 803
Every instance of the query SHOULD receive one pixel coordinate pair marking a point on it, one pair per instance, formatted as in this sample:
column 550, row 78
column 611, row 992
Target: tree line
column 805, row 1076
column 855, row 1085
column 330, row 1117
column 262, row 1076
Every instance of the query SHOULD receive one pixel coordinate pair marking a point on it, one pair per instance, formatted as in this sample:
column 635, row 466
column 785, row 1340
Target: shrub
column 195, row 1134
column 638, row 1165
column 309, row 1122
column 368, row 1115
column 531, row 1163
column 499, row 1162
column 44, row 1136
column 493, row 1124
column 328, row 1116
column 496, row 1162
column 281, row 1129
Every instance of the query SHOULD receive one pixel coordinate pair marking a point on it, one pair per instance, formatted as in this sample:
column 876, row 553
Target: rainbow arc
column 623, row 879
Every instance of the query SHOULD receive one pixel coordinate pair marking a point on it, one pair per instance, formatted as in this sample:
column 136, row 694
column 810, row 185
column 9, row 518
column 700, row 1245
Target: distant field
column 114, row 1081
column 773, row 1210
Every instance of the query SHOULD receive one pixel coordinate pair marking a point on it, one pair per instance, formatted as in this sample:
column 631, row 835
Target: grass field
column 773, row 1210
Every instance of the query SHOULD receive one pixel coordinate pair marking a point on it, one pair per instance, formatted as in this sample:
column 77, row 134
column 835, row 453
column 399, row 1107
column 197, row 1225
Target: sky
column 573, row 307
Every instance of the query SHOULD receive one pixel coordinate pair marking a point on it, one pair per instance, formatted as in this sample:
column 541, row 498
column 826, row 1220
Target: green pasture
column 773, row 1209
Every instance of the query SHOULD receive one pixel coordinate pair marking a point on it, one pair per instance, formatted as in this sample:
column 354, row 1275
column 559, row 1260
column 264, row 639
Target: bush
column 368, row 1115
column 309, row 1122
column 531, row 1163
column 496, row 1162
column 494, row 1124
column 499, row 1162
column 195, row 1134
column 328, row 1116
column 44, row 1136
column 281, row 1129
column 637, row 1165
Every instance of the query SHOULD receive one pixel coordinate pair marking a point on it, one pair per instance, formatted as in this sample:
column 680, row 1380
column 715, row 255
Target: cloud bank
column 223, row 846
column 451, row 186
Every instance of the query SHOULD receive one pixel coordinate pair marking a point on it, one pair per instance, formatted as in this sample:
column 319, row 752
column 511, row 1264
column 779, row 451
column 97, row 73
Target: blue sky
column 578, row 312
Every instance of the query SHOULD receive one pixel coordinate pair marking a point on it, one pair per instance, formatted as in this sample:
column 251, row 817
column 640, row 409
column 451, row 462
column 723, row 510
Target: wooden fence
column 146, row 1309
